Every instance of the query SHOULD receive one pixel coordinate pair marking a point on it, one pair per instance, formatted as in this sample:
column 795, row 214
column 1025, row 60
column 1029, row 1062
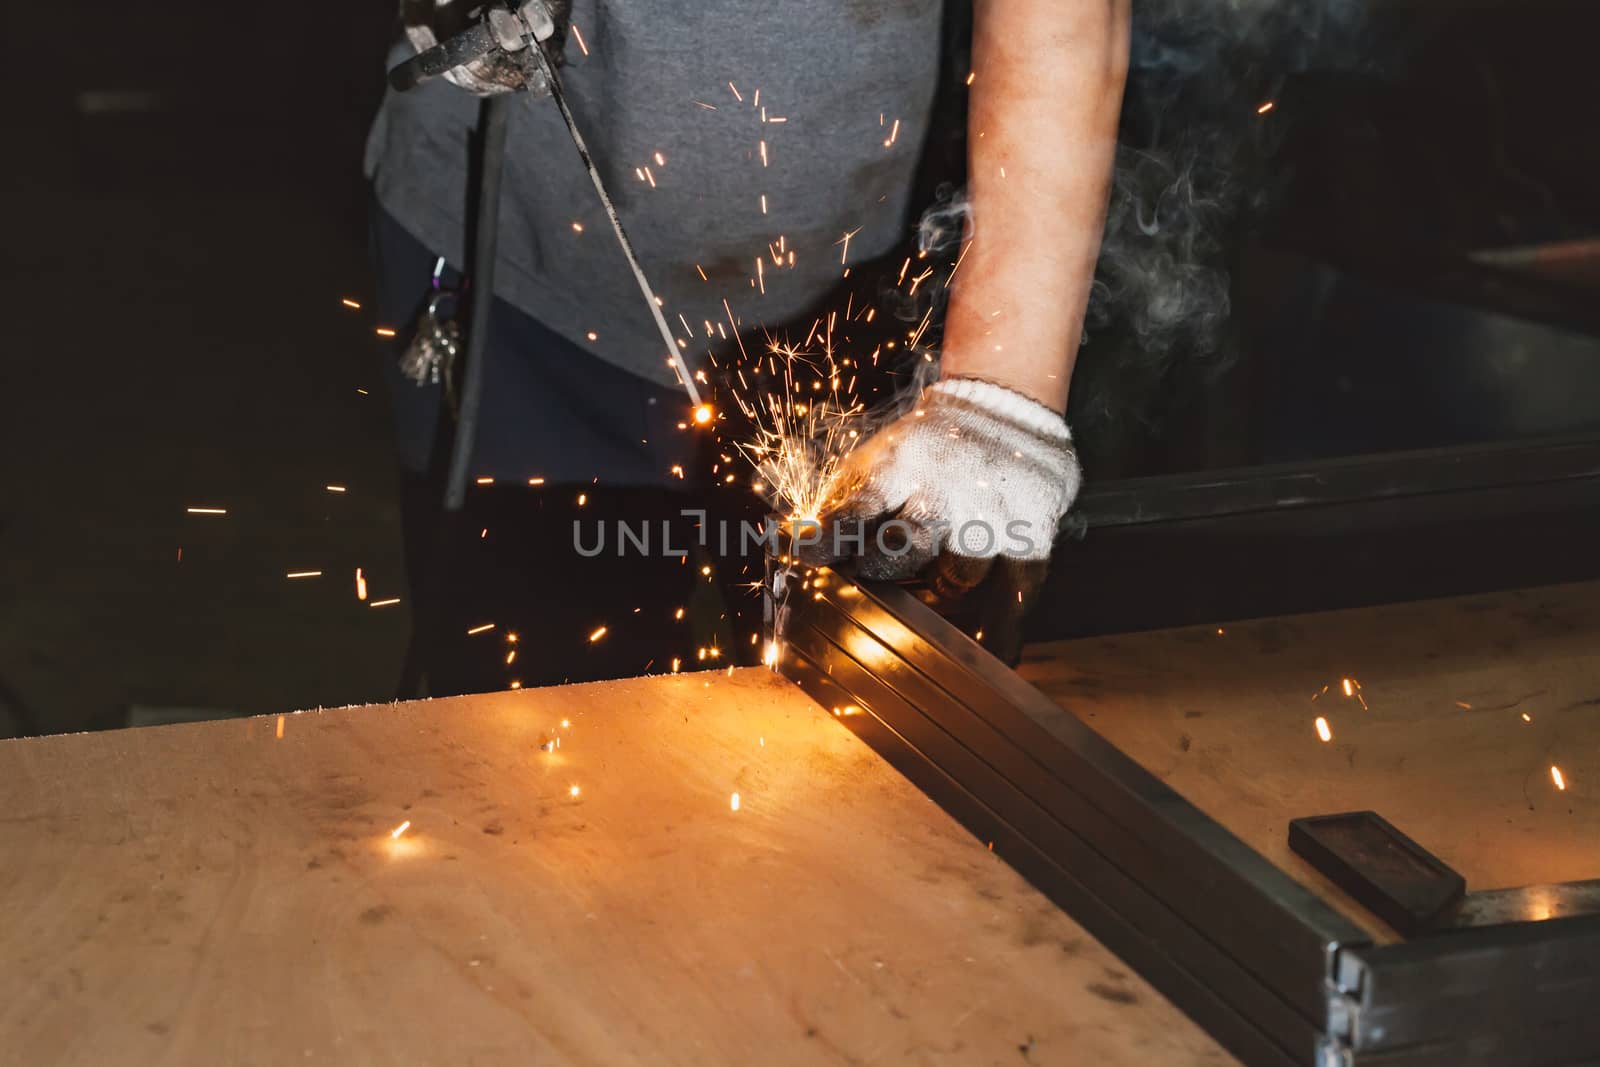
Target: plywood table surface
column 1469, row 703
column 231, row 893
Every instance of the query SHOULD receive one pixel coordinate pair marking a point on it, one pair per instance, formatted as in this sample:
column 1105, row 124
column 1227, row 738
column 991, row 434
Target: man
column 726, row 128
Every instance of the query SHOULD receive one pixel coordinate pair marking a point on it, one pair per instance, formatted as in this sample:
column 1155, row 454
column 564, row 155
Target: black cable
column 495, row 112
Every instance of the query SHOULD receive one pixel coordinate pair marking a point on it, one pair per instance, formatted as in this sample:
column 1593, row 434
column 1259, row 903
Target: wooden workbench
column 230, row 892
column 1469, row 702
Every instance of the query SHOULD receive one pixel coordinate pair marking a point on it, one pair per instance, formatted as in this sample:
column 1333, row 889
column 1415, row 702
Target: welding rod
column 559, row 97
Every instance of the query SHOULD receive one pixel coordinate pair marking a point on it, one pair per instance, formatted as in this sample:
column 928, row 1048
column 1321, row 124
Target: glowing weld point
column 573, row 791
column 398, row 830
column 1555, row 776
column 1322, row 729
column 702, row 414
column 770, row 656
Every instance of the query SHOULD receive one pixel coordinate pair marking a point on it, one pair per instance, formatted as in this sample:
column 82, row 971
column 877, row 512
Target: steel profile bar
column 1267, row 966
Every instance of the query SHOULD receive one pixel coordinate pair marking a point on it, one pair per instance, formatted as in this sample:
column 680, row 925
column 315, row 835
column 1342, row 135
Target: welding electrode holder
column 500, row 27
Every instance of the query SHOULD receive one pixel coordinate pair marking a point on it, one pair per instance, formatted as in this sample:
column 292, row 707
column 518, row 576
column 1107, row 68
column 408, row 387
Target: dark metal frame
column 1261, row 962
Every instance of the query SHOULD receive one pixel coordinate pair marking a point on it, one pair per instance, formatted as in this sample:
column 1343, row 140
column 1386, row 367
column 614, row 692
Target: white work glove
column 425, row 22
column 975, row 472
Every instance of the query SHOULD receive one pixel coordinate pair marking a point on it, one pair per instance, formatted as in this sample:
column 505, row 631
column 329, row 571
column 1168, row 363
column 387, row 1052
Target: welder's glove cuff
column 976, row 471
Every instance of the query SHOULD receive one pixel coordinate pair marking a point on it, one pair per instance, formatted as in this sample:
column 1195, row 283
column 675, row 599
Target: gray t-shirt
column 676, row 101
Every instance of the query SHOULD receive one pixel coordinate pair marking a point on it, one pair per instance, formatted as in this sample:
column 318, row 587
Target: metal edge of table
column 1537, row 979
column 1272, row 487
column 1261, row 962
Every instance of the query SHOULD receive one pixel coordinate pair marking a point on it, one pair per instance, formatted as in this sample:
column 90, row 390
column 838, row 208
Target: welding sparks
column 398, row 830
column 384, row 331
column 303, row 574
column 972, row 76
column 733, row 802
column 577, row 227
column 361, row 585
column 335, row 488
column 573, row 791
column 206, row 511
column 597, row 635
column 702, row 414
column 535, row 481
column 351, row 304
column 893, row 133
column 770, row 656
column 577, row 35
column 1322, row 729
column 1347, row 690
column 384, row 603
column 280, row 727
column 485, row 628
column 1264, row 108
column 1557, row 777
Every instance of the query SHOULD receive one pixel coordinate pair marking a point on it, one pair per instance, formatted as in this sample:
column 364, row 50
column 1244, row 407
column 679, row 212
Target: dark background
column 186, row 211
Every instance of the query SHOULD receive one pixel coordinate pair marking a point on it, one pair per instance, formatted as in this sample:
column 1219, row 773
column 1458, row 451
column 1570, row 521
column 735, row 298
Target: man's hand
column 499, row 72
column 974, row 472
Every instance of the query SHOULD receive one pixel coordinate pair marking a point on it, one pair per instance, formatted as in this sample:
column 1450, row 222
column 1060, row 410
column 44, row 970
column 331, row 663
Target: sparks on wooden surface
column 398, row 830
column 1322, row 729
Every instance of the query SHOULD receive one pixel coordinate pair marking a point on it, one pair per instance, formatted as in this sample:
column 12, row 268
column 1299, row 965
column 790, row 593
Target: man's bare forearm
column 1047, row 90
